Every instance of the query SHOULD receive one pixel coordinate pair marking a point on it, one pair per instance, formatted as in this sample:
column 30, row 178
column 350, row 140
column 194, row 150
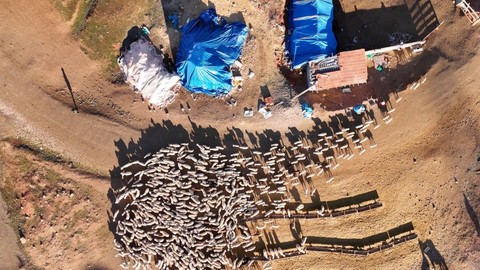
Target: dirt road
column 35, row 45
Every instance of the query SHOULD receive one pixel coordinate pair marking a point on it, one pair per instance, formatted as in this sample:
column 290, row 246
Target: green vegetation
column 102, row 24
column 84, row 11
column 14, row 206
column 52, row 177
column 57, row 211
column 24, row 164
column 66, row 8
column 80, row 216
column 81, row 247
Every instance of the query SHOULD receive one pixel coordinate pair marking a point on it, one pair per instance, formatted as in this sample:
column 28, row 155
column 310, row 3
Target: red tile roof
column 353, row 70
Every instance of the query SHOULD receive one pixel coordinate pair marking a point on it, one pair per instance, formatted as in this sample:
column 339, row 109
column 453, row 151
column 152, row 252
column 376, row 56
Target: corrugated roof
column 353, row 70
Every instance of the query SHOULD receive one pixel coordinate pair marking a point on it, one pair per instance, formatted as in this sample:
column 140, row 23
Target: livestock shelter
column 310, row 35
column 208, row 47
column 345, row 69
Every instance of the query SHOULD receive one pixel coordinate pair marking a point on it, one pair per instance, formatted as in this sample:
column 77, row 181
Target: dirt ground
column 60, row 212
column 424, row 169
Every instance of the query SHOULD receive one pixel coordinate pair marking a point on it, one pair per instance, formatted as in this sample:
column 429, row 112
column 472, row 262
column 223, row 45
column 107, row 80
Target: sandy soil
column 437, row 124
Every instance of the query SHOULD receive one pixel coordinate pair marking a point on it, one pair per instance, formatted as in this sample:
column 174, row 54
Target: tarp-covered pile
column 310, row 36
column 208, row 47
column 144, row 69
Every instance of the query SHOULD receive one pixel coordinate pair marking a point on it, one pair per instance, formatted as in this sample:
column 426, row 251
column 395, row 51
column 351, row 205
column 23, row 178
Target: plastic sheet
column 208, row 47
column 310, row 36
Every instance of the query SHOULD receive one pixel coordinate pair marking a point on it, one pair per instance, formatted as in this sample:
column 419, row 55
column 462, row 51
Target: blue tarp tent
column 310, row 36
column 208, row 47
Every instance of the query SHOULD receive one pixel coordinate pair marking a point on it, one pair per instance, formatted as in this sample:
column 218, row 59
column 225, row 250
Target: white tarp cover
column 144, row 69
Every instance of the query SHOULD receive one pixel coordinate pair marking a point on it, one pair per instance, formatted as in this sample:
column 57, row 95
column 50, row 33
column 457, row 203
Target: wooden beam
column 395, row 47
column 304, row 91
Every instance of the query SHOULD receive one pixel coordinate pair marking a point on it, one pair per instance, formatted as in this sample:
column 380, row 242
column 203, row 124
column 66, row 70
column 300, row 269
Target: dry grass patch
column 102, row 24
column 66, row 7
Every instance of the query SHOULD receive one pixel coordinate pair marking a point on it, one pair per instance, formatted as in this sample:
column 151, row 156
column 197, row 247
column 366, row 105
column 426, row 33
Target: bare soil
column 60, row 213
column 424, row 168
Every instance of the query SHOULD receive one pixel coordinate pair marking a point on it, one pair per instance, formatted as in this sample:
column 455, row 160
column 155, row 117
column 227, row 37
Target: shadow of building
column 370, row 28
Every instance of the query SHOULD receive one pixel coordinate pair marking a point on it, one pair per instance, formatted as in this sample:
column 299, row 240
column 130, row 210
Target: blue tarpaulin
column 307, row 110
column 359, row 109
column 208, row 47
column 310, row 36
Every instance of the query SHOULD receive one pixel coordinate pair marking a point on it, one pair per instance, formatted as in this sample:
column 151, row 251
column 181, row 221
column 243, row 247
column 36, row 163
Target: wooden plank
column 395, row 47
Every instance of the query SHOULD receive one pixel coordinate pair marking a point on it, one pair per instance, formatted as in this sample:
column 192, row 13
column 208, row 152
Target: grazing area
column 379, row 175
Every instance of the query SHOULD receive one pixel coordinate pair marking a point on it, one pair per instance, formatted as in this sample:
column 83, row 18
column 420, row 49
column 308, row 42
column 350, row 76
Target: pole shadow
column 69, row 86
column 471, row 213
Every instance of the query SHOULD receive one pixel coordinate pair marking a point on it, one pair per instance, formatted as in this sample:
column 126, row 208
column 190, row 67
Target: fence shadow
column 353, row 200
column 423, row 16
column 356, row 27
column 370, row 244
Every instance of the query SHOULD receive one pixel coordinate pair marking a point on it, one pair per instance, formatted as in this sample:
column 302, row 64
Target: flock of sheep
column 188, row 207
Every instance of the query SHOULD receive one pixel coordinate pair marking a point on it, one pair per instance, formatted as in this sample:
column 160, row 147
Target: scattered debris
column 248, row 112
column 251, row 74
column 469, row 12
column 380, row 62
column 268, row 101
column 237, row 64
column 231, row 101
column 265, row 112
column 307, row 110
column 174, row 20
column 417, row 48
column 346, row 90
column 398, row 38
